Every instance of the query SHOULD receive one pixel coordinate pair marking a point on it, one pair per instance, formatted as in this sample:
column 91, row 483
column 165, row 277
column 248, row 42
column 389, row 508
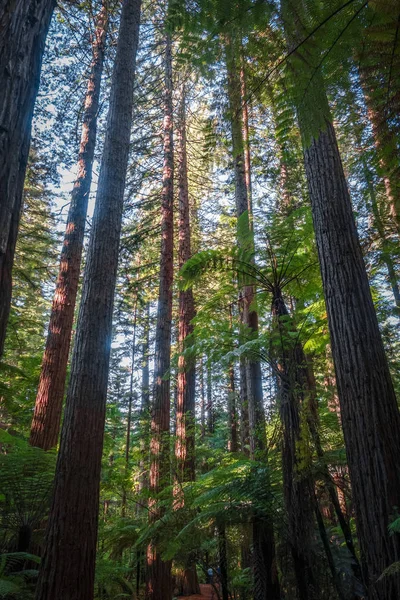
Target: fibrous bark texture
column 23, row 29
column 158, row 577
column 48, row 407
column 185, row 405
column 369, row 412
column 67, row 569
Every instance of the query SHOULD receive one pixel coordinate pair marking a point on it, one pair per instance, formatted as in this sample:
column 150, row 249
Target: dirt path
column 207, row 593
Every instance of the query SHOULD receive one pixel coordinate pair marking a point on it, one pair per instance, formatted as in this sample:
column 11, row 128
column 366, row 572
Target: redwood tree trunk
column 23, row 30
column 385, row 143
column 369, row 411
column 185, row 399
column 266, row 584
column 386, row 256
column 67, row 569
column 48, row 407
column 158, row 582
column 185, row 405
column 370, row 417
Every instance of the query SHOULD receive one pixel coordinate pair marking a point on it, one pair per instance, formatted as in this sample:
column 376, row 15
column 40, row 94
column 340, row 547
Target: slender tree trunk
column 145, row 404
column 386, row 256
column 298, row 495
column 244, row 408
column 159, row 584
column 210, row 407
column 232, row 417
column 370, row 416
column 67, row 569
column 223, row 561
column 202, row 400
column 23, row 30
column 386, row 146
column 185, row 414
column 48, row 407
column 185, row 404
column 266, row 583
column 130, row 403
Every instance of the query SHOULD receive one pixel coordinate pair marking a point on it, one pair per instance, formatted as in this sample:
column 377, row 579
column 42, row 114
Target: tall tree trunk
column 298, row 494
column 223, row 560
column 210, row 404
column 266, row 583
column 67, row 569
column 159, row 584
column 185, row 403
column 202, row 400
column 185, row 406
column 370, row 416
column 385, row 143
column 145, row 403
column 23, row 30
column 232, row 417
column 48, row 407
column 130, row 404
column 386, row 256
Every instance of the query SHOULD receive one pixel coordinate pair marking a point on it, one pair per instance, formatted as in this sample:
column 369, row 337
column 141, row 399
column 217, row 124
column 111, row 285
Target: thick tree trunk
column 48, row 407
column 185, row 405
column 370, row 416
column 266, row 584
column 23, row 30
column 159, row 583
column 369, row 411
column 67, row 569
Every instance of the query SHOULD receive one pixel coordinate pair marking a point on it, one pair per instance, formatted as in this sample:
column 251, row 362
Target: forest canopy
column 199, row 299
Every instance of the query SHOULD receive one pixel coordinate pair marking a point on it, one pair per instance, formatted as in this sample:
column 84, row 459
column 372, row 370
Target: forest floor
column 207, row 593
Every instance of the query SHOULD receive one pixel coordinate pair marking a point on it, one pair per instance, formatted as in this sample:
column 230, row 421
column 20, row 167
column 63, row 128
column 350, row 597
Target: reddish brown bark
column 185, row 405
column 68, row 564
column 386, row 254
column 385, row 143
column 23, row 30
column 158, row 576
column 49, row 400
